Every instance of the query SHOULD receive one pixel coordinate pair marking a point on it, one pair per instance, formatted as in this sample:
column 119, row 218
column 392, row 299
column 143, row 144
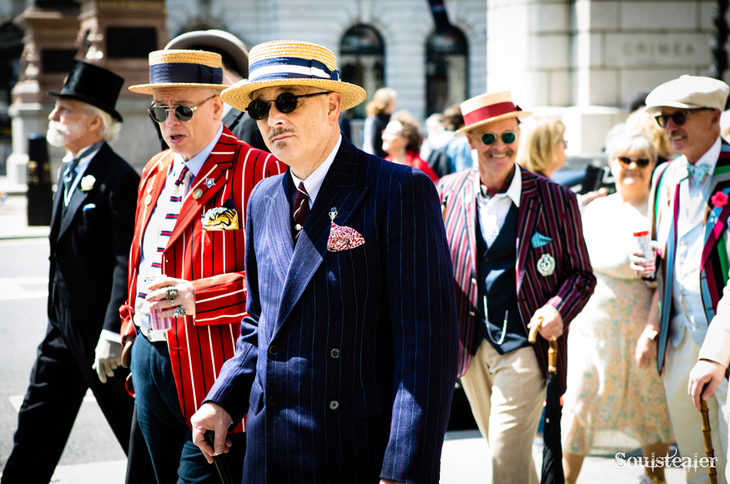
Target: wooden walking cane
column 552, row 351
column 709, row 450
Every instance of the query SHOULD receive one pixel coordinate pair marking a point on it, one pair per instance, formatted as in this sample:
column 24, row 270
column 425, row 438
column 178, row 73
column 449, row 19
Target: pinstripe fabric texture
column 213, row 260
column 348, row 359
column 545, row 208
column 714, row 273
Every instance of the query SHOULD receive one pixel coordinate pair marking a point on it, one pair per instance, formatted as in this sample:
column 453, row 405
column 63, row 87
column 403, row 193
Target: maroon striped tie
column 301, row 209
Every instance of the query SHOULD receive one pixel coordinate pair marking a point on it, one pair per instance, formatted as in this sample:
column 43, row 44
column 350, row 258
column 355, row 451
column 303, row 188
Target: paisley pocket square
column 343, row 238
column 538, row 240
column 221, row 218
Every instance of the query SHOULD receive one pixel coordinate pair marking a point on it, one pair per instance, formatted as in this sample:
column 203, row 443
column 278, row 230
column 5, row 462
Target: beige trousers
column 686, row 419
column 506, row 394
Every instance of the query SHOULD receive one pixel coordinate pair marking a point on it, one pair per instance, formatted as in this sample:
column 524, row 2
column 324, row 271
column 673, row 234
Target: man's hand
column 552, row 322
column 705, row 372
column 646, row 351
column 108, row 358
column 157, row 296
column 211, row 416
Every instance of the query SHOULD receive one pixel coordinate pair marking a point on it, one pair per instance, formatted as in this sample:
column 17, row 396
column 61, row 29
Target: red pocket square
column 343, row 238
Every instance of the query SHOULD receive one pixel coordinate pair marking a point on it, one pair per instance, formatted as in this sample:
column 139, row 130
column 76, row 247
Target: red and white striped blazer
column 212, row 260
column 545, row 208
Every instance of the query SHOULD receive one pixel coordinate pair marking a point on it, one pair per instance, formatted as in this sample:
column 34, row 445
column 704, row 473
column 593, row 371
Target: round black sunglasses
column 286, row 102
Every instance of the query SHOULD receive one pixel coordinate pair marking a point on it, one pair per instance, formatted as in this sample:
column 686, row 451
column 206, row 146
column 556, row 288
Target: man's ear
column 94, row 122
column 334, row 106
column 217, row 107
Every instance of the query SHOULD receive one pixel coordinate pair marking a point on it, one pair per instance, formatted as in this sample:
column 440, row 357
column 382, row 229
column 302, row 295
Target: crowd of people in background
column 271, row 277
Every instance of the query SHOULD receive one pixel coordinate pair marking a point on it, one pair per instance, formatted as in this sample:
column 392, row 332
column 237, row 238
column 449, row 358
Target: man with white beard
column 91, row 232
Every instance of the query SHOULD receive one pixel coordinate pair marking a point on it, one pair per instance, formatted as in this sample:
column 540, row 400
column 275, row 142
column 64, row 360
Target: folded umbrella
column 552, row 451
column 219, row 461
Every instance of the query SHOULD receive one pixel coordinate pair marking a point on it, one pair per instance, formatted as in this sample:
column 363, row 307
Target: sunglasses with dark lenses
column 640, row 162
column 678, row 117
column 286, row 102
column 508, row 137
column 182, row 112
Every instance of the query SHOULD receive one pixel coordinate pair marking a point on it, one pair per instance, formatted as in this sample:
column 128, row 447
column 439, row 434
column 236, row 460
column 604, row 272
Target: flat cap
column 688, row 92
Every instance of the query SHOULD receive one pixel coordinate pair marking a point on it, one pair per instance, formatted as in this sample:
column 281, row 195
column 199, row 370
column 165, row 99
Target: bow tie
column 697, row 172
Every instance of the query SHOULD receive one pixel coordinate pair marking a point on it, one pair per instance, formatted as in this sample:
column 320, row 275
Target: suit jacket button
column 334, row 405
column 335, row 353
column 473, row 281
column 273, row 401
column 472, row 313
column 486, row 259
column 273, row 350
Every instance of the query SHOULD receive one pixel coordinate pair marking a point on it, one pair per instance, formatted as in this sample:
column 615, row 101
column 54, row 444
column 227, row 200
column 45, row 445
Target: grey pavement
column 464, row 458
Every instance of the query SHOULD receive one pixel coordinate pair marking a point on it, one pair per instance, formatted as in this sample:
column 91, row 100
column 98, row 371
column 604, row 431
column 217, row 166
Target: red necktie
column 301, row 209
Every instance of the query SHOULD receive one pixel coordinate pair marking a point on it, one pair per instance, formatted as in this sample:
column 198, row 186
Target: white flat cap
column 688, row 92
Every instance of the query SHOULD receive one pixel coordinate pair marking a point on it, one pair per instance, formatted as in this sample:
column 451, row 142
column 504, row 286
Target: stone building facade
column 581, row 60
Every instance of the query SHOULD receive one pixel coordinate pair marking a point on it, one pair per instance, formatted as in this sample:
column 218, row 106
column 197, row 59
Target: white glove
column 108, row 358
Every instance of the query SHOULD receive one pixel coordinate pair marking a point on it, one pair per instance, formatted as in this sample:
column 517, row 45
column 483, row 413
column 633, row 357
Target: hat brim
column 148, row 88
column 219, row 40
column 239, row 95
column 657, row 108
column 520, row 115
column 88, row 100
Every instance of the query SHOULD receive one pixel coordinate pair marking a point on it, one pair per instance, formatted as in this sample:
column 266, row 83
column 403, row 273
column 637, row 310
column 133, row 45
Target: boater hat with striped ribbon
column 488, row 108
column 292, row 63
column 183, row 68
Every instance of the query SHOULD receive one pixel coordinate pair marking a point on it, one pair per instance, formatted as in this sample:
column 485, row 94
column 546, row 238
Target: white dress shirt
column 313, row 182
column 493, row 211
column 80, row 169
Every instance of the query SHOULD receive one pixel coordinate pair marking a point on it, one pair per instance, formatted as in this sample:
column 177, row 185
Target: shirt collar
column 86, row 159
column 314, row 181
column 514, row 192
column 195, row 163
column 710, row 157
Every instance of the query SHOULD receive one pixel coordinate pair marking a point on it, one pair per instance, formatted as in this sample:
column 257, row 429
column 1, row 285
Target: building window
column 446, row 70
column 362, row 61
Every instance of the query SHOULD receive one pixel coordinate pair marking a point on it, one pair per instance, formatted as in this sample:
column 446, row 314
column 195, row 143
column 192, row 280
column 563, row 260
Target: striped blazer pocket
column 372, row 402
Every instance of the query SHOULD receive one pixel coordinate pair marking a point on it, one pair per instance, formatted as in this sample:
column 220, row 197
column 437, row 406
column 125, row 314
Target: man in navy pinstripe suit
column 519, row 258
column 346, row 362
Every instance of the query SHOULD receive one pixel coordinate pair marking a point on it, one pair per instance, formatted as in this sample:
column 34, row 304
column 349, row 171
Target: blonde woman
column 542, row 145
column 644, row 122
column 379, row 110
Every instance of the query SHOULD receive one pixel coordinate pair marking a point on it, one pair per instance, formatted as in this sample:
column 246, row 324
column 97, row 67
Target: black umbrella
column 552, row 451
column 219, row 460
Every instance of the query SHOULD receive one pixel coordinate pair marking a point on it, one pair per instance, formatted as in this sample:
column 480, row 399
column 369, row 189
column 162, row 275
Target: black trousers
column 59, row 380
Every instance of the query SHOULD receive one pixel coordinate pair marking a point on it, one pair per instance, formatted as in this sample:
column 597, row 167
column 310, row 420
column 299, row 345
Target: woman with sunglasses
column 612, row 404
column 402, row 142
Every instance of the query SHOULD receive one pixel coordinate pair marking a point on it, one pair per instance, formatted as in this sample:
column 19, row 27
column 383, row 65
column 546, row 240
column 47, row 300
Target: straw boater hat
column 183, row 68
column 214, row 40
column 489, row 108
column 292, row 63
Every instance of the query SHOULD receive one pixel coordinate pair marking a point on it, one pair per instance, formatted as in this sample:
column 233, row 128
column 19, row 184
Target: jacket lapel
column 339, row 190
column 470, row 209
column 527, row 218
column 716, row 214
column 217, row 163
column 96, row 168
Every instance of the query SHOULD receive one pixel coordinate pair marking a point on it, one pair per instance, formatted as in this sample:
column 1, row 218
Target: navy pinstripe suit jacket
column 347, row 361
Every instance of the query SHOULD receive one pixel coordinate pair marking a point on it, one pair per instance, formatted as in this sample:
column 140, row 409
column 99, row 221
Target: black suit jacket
column 90, row 243
column 244, row 128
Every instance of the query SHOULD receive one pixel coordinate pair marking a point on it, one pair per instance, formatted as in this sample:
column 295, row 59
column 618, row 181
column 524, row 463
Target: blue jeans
column 175, row 459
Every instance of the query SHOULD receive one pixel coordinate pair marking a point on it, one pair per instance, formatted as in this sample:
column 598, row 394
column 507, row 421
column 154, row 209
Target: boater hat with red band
column 489, row 108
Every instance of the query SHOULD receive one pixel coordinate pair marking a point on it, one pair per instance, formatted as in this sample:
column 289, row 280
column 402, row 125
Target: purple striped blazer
column 545, row 208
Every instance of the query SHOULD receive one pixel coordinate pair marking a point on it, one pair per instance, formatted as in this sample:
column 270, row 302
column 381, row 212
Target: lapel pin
column 546, row 265
column 197, row 193
column 333, row 214
column 209, row 182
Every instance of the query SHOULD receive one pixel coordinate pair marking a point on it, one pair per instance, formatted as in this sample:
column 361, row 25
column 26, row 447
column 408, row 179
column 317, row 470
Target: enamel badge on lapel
column 209, row 182
column 546, row 265
column 197, row 193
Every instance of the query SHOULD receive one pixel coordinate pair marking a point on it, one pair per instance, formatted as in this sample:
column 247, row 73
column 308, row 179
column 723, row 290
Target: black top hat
column 93, row 85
